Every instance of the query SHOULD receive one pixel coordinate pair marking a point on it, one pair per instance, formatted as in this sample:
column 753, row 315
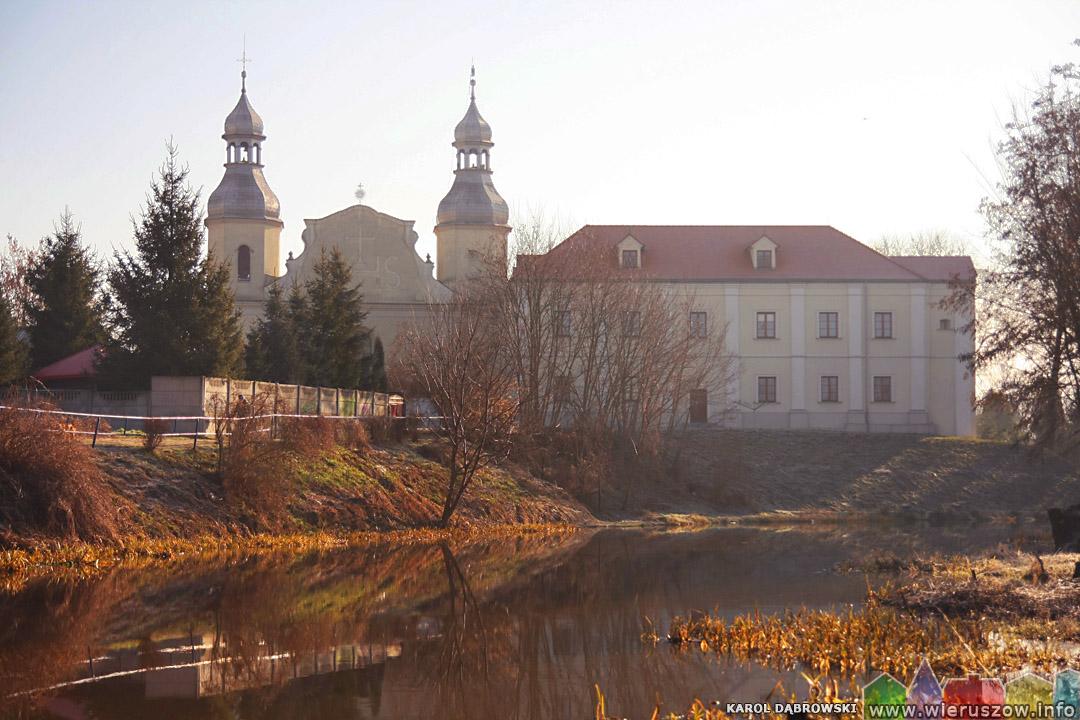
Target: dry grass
column 307, row 436
column 50, row 482
column 82, row 559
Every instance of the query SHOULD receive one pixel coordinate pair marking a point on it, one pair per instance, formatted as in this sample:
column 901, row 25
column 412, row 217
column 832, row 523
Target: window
column 699, row 406
column 766, row 325
column 699, row 324
column 945, row 324
column 562, row 323
column 243, row 263
column 629, row 258
column 830, row 389
column 764, row 259
column 632, row 393
column 828, row 325
column 632, row 323
column 766, row 389
column 882, row 388
column 883, row 325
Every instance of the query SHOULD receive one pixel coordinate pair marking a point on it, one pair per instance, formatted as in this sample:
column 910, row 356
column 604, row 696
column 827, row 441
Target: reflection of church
column 244, row 226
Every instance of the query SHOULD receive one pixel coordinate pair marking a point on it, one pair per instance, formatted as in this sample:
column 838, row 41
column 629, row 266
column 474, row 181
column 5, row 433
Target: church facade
column 826, row 332
column 244, row 225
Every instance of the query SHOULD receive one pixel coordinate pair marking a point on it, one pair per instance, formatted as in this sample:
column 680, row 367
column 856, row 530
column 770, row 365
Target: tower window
column 243, row 263
column 630, row 258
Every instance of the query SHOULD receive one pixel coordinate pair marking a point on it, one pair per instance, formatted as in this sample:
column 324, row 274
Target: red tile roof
column 73, row 367
column 950, row 267
column 721, row 252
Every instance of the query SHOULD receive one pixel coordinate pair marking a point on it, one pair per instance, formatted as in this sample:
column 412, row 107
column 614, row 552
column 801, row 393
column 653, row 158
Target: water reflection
column 507, row 629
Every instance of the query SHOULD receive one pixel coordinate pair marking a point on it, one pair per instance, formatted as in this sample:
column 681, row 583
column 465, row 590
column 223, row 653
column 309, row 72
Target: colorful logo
column 1028, row 696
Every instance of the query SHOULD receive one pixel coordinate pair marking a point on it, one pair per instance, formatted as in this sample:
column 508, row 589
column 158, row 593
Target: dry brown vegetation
column 154, row 430
column 50, row 482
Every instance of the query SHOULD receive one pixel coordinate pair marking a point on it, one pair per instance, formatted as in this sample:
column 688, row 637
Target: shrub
column 353, row 434
column 50, row 482
column 385, row 430
column 307, row 436
column 154, row 430
column 255, row 473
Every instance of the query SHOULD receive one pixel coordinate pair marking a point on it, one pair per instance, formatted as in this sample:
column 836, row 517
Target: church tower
column 242, row 213
column 473, row 218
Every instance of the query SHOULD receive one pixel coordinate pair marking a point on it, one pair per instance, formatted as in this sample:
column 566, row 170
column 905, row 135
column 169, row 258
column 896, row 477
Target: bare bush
column 353, row 434
column 255, row 473
column 50, row 482
column 307, row 436
column 154, row 430
column 385, row 430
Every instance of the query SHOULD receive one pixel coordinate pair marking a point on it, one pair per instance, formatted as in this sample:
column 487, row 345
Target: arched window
column 230, row 153
column 243, row 263
column 244, row 157
column 486, row 161
column 258, row 154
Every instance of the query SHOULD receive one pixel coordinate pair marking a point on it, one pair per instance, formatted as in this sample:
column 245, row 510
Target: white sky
column 875, row 117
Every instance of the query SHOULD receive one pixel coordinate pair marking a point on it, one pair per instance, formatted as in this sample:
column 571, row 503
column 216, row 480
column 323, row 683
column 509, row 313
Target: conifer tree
column 64, row 313
column 376, row 379
column 12, row 349
column 172, row 312
column 273, row 350
column 332, row 331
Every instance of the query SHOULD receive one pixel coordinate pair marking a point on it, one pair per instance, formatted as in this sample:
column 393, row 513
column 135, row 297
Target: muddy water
column 518, row 629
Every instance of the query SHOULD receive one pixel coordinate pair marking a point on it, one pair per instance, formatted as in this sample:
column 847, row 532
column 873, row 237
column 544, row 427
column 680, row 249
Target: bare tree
column 15, row 264
column 456, row 357
column 1028, row 304
column 933, row 243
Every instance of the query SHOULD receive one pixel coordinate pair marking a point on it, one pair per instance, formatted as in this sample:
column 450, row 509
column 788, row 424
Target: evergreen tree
column 12, row 349
column 333, row 333
column 273, row 349
column 376, row 379
column 172, row 311
column 64, row 315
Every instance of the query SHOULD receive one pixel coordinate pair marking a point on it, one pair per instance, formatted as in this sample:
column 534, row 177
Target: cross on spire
column 472, row 82
column 243, row 60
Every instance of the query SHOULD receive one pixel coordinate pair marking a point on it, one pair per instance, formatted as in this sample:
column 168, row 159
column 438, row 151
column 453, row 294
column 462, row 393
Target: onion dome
column 473, row 199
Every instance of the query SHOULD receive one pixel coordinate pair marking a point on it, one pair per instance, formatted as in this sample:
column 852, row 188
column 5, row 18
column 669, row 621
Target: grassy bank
column 175, row 496
column 774, row 475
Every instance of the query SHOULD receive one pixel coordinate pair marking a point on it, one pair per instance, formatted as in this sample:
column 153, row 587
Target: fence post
column 337, row 401
column 318, row 400
column 195, row 442
column 97, row 423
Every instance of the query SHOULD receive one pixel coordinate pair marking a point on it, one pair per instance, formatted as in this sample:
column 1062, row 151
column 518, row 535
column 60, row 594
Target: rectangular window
column 633, row 391
column 882, row 388
column 764, row 259
column 945, row 324
column 766, row 389
column 883, row 325
column 766, row 325
column 632, row 323
column 629, row 258
column 828, row 325
column 562, row 323
column 830, row 388
column 699, row 324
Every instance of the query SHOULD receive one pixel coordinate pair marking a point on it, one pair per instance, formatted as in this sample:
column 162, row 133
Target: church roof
column 243, row 120
column 473, row 127
column 721, row 252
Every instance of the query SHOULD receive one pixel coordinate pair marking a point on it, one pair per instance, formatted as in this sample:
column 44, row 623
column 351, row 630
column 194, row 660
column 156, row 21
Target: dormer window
column 629, row 253
column 763, row 254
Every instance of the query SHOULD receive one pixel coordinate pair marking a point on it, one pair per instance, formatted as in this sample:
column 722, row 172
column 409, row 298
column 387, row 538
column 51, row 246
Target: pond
column 501, row 629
